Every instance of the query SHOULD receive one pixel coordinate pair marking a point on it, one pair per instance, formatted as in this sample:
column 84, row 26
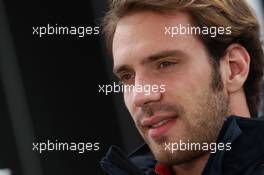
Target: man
column 208, row 56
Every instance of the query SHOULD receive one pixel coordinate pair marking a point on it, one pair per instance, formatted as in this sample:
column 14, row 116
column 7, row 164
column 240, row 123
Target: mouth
column 158, row 126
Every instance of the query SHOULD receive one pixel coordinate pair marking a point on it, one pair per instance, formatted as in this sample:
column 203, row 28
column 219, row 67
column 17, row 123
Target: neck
column 193, row 167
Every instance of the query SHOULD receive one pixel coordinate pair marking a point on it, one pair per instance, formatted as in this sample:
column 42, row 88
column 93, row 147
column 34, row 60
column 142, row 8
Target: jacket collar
column 247, row 138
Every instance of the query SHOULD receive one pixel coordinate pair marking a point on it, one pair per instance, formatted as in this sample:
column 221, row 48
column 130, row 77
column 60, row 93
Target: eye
column 126, row 78
column 166, row 64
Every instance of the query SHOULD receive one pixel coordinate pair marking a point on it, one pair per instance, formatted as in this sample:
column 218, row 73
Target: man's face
column 190, row 109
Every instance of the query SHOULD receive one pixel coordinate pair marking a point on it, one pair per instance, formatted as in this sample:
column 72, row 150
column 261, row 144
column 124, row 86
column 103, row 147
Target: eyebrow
column 151, row 58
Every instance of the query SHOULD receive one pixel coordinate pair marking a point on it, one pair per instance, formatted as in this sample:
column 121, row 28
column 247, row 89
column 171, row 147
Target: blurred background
column 49, row 89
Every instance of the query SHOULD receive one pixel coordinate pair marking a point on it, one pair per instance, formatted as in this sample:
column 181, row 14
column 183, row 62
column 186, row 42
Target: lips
column 161, row 123
column 158, row 125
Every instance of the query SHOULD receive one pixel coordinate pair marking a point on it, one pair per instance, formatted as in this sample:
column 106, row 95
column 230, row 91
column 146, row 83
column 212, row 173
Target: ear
column 237, row 62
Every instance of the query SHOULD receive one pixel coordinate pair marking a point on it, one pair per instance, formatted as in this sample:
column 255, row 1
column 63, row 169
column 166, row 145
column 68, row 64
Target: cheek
column 187, row 89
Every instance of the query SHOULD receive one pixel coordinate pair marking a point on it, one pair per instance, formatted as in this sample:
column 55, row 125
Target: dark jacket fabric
column 245, row 158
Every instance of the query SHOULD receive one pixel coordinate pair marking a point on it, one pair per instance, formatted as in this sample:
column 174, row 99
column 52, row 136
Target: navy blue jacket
column 245, row 158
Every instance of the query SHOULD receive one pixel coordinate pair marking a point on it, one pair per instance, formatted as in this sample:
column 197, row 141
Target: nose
column 145, row 93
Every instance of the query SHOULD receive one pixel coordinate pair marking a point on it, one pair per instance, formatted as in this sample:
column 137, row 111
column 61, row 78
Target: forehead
column 140, row 34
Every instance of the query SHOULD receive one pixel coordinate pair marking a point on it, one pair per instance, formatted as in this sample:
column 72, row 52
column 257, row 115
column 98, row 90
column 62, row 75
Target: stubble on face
column 199, row 125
